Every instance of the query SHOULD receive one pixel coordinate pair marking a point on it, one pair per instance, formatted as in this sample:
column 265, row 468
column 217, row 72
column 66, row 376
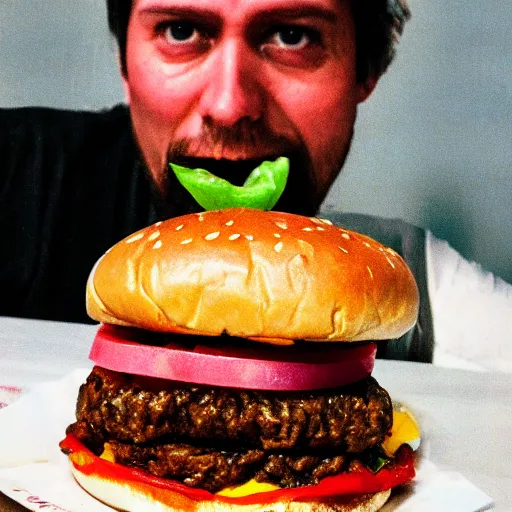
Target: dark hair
column 379, row 24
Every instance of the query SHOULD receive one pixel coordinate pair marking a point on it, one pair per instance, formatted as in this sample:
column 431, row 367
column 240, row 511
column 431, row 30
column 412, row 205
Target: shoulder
column 48, row 114
column 35, row 142
column 47, row 121
column 38, row 144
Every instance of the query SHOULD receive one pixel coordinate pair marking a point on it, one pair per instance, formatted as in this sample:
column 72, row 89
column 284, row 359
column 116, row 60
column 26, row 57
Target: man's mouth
column 233, row 171
column 299, row 196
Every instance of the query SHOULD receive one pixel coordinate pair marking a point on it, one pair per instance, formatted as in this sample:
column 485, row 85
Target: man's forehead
column 244, row 8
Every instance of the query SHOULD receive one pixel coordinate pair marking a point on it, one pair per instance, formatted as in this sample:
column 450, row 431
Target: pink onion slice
column 263, row 367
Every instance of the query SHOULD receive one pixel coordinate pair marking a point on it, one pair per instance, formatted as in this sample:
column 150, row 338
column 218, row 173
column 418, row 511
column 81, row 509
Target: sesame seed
column 249, row 237
column 367, row 244
column 158, row 223
column 180, row 227
column 234, row 236
column 200, row 217
column 158, row 244
column 212, row 236
column 370, row 272
column 278, row 246
column 307, row 229
column 187, row 241
column 346, row 236
column 320, row 228
column 316, row 220
column 135, row 238
column 390, row 262
column 342, row 249
column 277, row 235
column 306, row 249
column 230, row 222
column 282, row 225
column 154, row 236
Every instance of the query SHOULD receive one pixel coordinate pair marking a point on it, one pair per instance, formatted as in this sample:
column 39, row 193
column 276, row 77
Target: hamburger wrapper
column 35, row 473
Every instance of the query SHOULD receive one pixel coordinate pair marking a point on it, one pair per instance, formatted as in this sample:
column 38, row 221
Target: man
column 218, row 84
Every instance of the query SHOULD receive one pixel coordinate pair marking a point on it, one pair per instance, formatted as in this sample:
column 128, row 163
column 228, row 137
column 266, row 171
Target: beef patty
column 122, row 407
column 215, row 470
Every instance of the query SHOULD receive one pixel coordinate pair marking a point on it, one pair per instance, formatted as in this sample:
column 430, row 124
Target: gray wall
column 433, row 144
column 57, row 53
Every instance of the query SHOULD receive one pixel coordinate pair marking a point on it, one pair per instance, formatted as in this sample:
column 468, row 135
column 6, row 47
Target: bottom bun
column 138, row 497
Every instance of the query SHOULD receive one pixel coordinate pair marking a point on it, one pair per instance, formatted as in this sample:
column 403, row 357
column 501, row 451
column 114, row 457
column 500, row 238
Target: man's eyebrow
column 299, row 11
column 179, row 11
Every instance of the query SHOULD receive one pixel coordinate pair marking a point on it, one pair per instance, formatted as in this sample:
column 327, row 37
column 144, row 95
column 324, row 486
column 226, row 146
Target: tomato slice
column 265, row 367
column 362, row 481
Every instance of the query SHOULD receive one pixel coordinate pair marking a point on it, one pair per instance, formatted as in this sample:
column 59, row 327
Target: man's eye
column 181, row 32
column 292, row 37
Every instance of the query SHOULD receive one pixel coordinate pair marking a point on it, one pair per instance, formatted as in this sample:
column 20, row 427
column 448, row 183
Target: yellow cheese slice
column 250, row 487
column 107, row 454
column 405, row 431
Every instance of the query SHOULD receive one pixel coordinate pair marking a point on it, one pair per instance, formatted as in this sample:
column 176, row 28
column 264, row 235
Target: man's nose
column 233, row 91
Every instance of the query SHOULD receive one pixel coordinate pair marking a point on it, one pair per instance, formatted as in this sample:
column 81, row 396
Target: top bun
column 263, row 275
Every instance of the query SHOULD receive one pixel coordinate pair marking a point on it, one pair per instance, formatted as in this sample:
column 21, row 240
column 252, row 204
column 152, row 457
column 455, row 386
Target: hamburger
column 233, row 367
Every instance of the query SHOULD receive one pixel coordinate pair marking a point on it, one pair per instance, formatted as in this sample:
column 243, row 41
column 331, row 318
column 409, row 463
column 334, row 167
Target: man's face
column 225, row 84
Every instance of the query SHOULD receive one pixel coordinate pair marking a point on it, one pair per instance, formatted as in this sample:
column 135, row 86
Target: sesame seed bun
column 268, row 276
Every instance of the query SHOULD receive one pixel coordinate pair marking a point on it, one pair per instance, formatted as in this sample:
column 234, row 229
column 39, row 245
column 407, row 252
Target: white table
column 466, row 417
